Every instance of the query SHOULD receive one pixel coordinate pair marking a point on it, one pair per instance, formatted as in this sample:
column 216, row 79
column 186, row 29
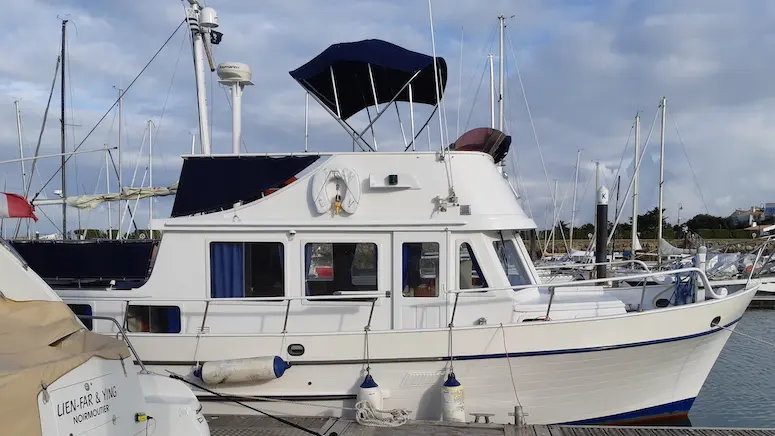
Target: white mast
column 21, row 146
column 492, row 92
column 575, row 186
column 306, row 122
column 634, row 238
column 107, row 191
column 661, row 178
column 120, row 163
column 501, row 78
column 201, row 19
column 21, row 157
column 150, row 172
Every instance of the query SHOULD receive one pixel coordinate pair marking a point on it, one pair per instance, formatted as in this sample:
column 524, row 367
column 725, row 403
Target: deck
column 240, row 425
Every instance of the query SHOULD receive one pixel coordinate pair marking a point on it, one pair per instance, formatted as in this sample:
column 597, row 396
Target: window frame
column 458, row 244
column 149, row 307
column 382, row 243
column 226, row 240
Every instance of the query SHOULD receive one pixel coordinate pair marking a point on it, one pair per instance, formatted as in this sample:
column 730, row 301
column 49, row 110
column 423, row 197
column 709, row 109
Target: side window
column 470, row 273
column 247, row 269
column 509, row 259
column 340, row 267
column 83, row 309
column 420, row 266
column 153, row 319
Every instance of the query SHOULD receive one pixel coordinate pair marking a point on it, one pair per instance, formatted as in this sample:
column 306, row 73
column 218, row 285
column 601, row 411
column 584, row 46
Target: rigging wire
column 530, row 117
column 113, row 105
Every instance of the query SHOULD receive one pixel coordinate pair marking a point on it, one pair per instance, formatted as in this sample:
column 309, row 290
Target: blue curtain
column 227, row 270
column 173, row 320
column 307, row 261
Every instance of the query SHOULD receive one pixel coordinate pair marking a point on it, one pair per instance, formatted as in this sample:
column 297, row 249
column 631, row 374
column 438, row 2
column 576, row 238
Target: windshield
column 510, row 260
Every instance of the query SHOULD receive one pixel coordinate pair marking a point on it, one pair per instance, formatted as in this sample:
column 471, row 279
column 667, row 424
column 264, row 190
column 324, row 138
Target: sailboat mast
column 661, row 178
column 575, row 186
column 150, row 172
column 62, row 131
column 120, row 163
column 21, row 161
column 501, row 69
column 492, row 91
column 634, row 237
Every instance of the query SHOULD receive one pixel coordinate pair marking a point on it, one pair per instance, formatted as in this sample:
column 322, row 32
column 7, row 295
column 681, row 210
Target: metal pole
column 661, row 179
column 21, row 162
column 306, row 122
column 573, row 211
column 602, row 230
column 107, row 191
column 492, row 92
column 150, row 172
column 199, row 70
column 120, row 162
column 634, row 236
column 501, row 73
column 62, row 131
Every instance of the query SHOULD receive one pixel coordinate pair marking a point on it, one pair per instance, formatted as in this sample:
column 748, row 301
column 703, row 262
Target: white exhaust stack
column 236, row 76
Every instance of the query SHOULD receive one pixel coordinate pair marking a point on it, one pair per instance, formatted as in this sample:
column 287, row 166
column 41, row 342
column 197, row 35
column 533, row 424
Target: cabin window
column 247, row 269
column 153, row 319
column 83, row 310
column 347, row 266
column 509, row 259
column 470, row 272
column 420, row 266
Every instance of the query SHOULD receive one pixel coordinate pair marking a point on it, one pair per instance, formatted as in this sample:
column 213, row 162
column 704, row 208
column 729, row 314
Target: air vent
column 465, row 209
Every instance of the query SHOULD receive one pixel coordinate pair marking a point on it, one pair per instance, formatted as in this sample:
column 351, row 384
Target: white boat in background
column 59, row 379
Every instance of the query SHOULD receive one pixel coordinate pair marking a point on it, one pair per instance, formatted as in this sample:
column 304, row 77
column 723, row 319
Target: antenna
column 236, row 76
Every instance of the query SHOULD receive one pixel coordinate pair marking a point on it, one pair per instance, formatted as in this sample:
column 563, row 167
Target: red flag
column 15, row 206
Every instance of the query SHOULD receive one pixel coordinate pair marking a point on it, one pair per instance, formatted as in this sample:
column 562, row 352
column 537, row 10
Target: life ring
column 346, row 196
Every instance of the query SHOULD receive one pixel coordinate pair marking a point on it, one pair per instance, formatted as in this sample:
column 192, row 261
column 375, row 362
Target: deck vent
column 465, row 209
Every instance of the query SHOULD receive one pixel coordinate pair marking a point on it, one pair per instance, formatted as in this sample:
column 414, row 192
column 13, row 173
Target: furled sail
column 88, row 202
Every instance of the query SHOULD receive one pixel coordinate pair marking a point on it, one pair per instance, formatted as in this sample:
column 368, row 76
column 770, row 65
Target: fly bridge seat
column 568, row 303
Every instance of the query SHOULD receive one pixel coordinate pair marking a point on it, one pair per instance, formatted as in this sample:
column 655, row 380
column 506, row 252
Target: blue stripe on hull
column 650, row 413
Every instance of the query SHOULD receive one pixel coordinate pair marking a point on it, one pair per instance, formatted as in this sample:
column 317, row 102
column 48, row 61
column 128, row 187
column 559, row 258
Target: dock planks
column 251, row 425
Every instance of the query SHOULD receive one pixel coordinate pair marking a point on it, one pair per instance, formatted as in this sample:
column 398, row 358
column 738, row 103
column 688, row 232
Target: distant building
column 750, row 216
column 769, row 210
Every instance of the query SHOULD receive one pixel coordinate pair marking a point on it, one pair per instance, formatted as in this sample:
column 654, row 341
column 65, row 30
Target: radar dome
column 234, row 72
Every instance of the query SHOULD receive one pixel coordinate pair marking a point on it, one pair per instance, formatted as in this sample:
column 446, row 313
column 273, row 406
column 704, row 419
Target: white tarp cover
column 667, row 249
column 88, row 202
column 40, row 341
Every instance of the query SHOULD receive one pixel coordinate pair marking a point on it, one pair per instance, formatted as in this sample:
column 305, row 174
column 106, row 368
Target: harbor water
column 740, row 391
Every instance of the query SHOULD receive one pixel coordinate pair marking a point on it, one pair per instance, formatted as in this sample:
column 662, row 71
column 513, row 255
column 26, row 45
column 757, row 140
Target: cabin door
column 419, row 272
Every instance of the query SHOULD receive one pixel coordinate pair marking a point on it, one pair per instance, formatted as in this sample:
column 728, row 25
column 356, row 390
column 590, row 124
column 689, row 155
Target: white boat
column 301, row 282
column 59, row 379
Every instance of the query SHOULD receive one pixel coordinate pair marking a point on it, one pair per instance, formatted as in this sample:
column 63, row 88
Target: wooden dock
column 763, row 300
column 240, row 425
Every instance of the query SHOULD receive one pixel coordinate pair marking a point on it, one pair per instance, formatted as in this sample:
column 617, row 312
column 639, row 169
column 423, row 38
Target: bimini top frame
column 348, row 77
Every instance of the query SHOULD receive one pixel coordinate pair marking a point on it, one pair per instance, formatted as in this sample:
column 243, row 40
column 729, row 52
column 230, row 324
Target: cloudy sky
column 586, row 68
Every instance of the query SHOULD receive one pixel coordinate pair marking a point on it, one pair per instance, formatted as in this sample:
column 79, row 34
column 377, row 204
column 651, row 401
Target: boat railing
column 640, row 263
column 552, row 288
column 7, row 245
column 123, row 335
column 368, row 296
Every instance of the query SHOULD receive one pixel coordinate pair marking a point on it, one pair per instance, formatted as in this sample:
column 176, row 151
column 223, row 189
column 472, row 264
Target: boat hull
column 603, row 370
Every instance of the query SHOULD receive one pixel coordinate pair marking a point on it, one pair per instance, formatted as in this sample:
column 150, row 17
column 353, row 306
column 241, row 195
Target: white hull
column 613, row 368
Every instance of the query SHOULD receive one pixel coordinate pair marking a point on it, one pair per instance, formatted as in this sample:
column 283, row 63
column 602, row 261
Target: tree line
column 707, row 226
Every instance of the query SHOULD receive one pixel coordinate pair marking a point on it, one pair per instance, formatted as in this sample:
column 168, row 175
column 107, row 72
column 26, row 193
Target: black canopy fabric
column 209, row 184
column 391, row 67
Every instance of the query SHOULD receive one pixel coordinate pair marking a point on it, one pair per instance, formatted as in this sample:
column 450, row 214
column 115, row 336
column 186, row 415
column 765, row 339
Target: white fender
column 349, row 189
